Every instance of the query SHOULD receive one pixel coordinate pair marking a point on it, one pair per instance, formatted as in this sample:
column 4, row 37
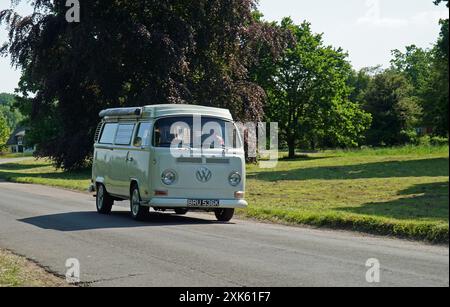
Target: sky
column 367, row 29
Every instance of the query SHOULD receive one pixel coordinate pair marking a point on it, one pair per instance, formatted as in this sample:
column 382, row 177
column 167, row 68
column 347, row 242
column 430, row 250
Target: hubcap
column 100, row 197
column 135, row 203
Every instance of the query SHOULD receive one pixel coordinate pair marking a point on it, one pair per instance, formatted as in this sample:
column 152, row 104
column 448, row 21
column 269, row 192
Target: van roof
column 165, row 110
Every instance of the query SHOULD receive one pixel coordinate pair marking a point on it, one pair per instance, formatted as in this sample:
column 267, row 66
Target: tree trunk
column 291, row 145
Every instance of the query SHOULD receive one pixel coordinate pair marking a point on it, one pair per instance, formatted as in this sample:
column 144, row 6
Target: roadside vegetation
column 401, row 192
column 41, row 171
column 14, row 155
column 16, row 271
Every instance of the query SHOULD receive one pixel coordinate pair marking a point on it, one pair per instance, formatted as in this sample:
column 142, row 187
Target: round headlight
column 168, row 177
column 234, row 179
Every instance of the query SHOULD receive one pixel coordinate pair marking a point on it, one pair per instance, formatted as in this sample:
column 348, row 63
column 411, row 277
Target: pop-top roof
column 166, row 110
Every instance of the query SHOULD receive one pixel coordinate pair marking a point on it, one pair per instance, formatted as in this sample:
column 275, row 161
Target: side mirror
column 137, row 142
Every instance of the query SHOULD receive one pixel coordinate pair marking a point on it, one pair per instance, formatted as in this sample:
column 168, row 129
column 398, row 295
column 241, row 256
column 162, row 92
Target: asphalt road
column 51, row 225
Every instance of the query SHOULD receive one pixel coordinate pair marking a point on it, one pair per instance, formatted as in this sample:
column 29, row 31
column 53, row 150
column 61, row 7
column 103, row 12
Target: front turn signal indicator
column 239, row 195
column 161, row 193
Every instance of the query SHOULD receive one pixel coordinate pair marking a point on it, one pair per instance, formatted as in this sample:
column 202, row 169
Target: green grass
column 16, row 271
column 14, row 155
column 395, row 191
column 42, row 172
column 401, row 192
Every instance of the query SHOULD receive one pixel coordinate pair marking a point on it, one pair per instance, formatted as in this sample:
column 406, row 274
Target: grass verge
column 14, row 155
column 401, row 191
column 16, row 271
column 42, row 172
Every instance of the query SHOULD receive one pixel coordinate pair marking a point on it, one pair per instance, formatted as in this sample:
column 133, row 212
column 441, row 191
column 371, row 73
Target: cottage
column 16, row 142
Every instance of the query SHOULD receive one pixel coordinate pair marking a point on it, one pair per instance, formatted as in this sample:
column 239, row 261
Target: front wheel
column 138, row 212
column 104, row 201
column 224, row 215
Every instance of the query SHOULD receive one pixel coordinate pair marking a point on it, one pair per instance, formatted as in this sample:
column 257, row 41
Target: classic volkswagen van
column 169, row 157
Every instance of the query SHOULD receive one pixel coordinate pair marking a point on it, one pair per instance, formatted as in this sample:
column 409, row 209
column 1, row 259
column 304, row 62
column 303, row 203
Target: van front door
column 138, row 159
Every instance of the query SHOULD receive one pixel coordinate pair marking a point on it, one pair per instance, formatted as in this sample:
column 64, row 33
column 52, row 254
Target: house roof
column 19, row 131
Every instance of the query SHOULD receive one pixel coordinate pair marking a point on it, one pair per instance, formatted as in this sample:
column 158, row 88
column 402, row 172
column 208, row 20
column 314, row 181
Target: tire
column 138, row 212
column 181, row 211
column 104, row 202
column 224, row 215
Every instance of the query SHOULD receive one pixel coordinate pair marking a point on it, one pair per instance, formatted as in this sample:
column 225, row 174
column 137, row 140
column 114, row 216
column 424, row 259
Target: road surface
column 51, row 225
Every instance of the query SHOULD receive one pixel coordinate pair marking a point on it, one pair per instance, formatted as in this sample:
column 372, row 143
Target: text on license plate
column 203, row 203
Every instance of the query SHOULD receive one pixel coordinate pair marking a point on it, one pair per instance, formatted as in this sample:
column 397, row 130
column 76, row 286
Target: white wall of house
column 15, row 149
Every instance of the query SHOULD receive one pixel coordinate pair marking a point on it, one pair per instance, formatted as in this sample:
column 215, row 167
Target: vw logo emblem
column 204, row 174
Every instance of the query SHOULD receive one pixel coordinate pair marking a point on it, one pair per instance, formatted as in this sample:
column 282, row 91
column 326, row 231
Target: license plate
column 203, row 203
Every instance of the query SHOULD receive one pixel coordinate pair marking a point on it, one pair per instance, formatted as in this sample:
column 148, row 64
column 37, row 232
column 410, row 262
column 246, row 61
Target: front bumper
column 168, row 203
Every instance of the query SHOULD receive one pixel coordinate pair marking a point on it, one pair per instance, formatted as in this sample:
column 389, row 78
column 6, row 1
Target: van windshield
column 196, row 132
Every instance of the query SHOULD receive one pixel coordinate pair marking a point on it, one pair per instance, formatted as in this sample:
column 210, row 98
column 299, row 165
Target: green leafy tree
column 428, row 76
column 10, row 111
column 130, row 53
column 436, row 90
column 6, row 99
column 359, row 82
column 308, row 93
column 416, row 63
column 395, row 110
column 4, row 133
column 428, row 73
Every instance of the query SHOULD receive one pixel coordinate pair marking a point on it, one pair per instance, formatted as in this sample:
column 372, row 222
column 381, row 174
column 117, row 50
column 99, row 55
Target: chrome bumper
column 182, row 203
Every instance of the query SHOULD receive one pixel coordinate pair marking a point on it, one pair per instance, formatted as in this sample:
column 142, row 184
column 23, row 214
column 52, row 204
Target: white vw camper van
column 169, row 157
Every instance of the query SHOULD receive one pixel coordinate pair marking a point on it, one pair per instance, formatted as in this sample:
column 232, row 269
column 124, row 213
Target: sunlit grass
column 16, row 271
column 42, row 172
column 394, row 191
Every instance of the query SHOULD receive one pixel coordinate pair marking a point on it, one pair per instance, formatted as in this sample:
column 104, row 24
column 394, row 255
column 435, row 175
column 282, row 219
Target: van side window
column 142, row 138
column 109, row 131
column 124, row 134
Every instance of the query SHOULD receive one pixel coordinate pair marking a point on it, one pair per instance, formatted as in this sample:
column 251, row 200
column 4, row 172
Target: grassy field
column 42, row 172
column 399, row 191
column 16, row 271
column 14, row 155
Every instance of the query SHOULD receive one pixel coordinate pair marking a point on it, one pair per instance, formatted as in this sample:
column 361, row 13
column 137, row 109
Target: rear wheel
column 138, row 212
column 224, row 215
column 181, row 211
column 104, row 201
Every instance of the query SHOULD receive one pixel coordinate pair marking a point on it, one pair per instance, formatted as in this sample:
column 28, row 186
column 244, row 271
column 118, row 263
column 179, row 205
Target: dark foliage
column 395, row 111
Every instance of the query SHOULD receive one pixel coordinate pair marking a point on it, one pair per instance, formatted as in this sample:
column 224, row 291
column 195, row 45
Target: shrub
column 432, row 141
column 438, row 141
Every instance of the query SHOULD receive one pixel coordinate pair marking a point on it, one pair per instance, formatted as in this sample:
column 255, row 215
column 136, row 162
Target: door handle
column 129, row 159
